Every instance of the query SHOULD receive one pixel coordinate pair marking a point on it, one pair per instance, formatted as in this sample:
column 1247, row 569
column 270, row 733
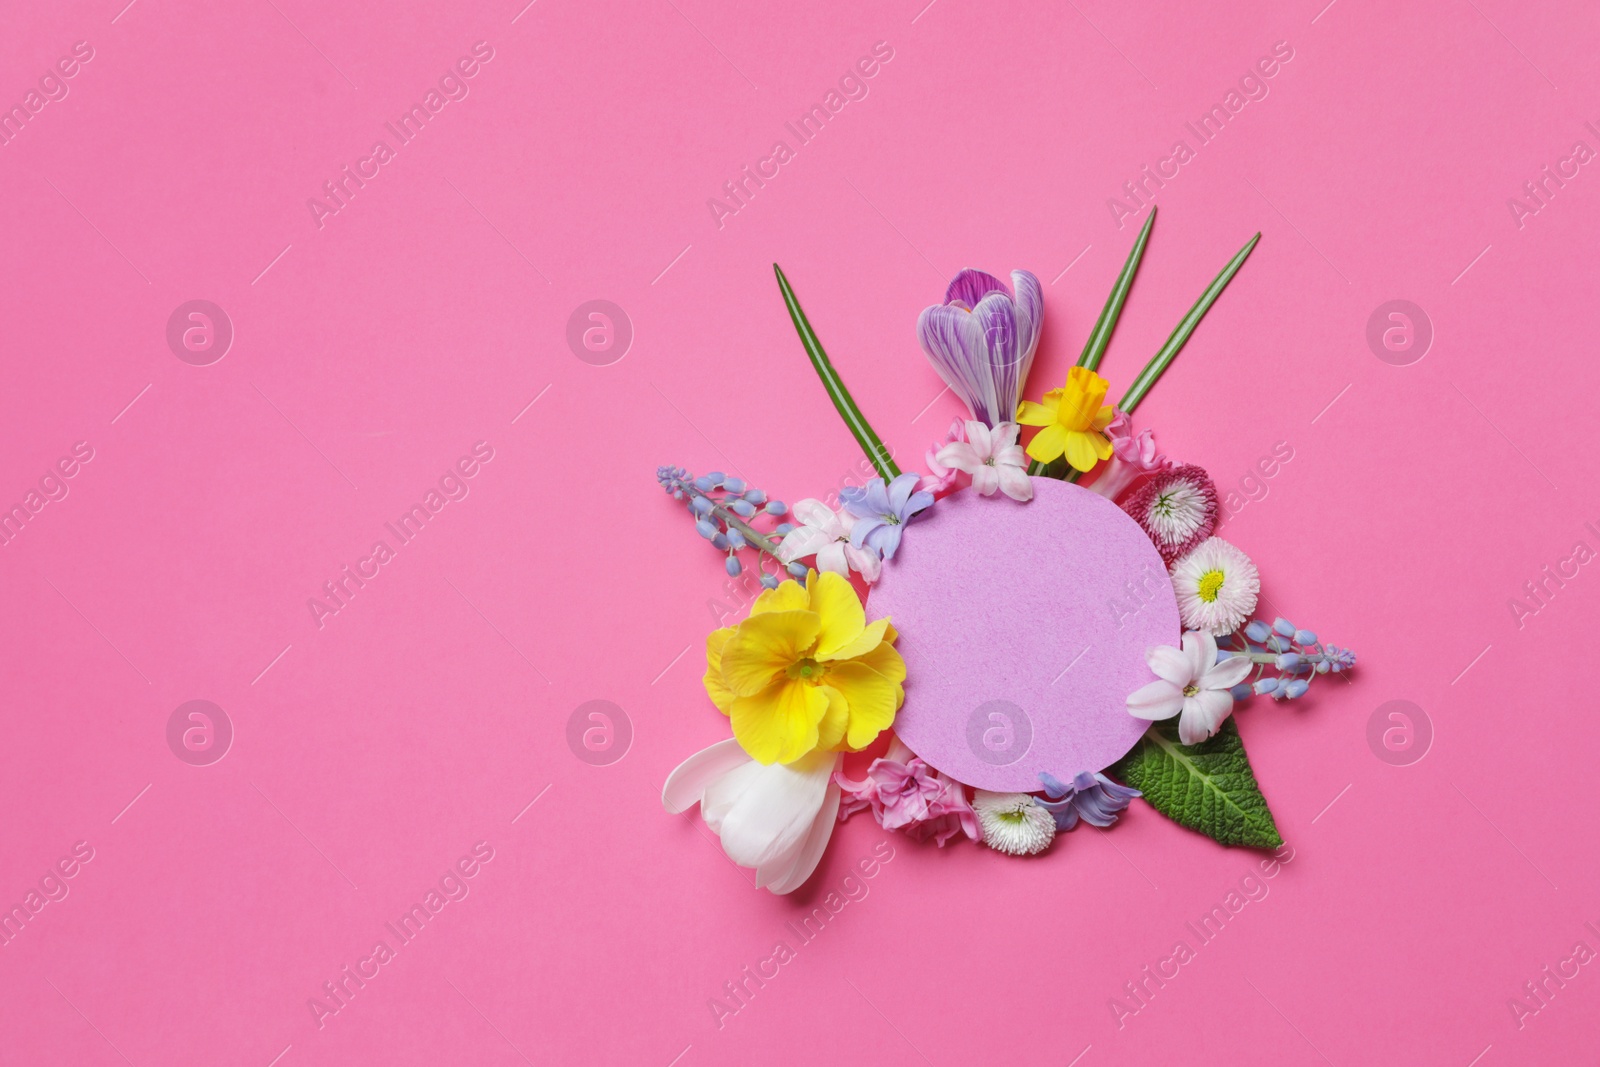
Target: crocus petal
column 1030, row 316
column 1203, row 714
column 1170, row 664
column 777, row 809
column 688, row 781
column 997, row 314
column 810, row 851
column 1158, row 700
column 971, row 286
column 723, row 792
column 953, row 341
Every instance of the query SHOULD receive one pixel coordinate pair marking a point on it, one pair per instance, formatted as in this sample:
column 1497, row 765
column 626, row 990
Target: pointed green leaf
column 1095, row 347
column 1207, row 787
column 1180, row 336
column 877, row 454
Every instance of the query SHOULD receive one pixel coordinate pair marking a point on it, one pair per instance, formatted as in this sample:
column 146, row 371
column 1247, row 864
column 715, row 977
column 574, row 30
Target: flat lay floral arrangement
column 977, row 739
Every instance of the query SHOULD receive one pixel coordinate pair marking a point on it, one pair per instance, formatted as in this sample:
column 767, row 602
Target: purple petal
column 918, row 503
column 886, row 539
column 863, row 529
column 997, row 316
column 971, row 286
column 900, row 491
column 1030, row 317
column 952, row 339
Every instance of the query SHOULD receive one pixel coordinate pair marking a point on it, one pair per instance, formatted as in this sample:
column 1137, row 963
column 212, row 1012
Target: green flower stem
column 1180, row 335
column 1094, row 348
column 756, row 538
column 877, row 454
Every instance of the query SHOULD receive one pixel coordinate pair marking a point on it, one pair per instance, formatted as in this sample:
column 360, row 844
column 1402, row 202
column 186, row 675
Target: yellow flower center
column 1191, row 690
column 807, row 670
column 1211, row 585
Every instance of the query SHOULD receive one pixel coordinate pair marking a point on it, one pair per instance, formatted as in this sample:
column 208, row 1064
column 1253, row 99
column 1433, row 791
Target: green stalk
column 1162, row 359
column 1094, row 347
column 877, row 454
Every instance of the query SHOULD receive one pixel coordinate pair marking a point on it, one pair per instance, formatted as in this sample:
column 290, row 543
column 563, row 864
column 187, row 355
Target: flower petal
column 719, row 693
column 952, row 338
column 873, row 697
column 835, row 559
column 864, row 561
column 776, row 810
column 830, row 731
column 764, row 645
column 1030, row 316
column 1041, row 414
column 1170, row 664
column 961, row 456
column 971, row 286
column 836, row 604
column 802, row 541
column 1228, row 673
column 1158, row 700
column 780, row 723
column 1203, row 714
column 812, row 512
column 689, row 779
column 809, row 854
column 986, row 480
column 789, row 596
column 1201, row 650
column 870, row 637
column 1048, row 443
column 1014, row 481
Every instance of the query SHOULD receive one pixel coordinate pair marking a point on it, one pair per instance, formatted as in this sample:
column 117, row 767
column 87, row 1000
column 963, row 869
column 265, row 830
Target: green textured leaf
column 865, row 436
column 1207, row 787
column 1180, row 335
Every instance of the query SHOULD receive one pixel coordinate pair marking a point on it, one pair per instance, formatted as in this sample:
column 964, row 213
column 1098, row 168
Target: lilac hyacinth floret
column 882, row 511
column 1092, row 797
column 982, row 340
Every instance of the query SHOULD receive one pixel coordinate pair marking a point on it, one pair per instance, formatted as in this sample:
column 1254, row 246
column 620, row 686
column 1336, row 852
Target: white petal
column 866, row 562
column 985, row 479
column 777, row 809
column 1014, row 481
column 1230, row 672
column 811, row 512
column 978, row 434
column 691, row 777
column 1201, row 648
column 961, row 456
column 1170, row 664
column 1005, row 438
column 1203, row 714
column 834, row 557
column 802, row 541
column 810, row 852
column 1011, row 455
column 721, row 794
column 1158, row 700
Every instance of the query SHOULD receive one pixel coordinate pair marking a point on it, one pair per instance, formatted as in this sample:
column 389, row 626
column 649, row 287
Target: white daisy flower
column 1216, row 586
column 1013, row 823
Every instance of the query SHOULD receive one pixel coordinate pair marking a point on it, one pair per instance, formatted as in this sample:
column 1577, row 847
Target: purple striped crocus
column 981, row 340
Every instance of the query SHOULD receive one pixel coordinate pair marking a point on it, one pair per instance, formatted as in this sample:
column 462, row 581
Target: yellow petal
column 830, row 731
column 1031, row 414
column 1103, row 419
column 1081, row 452
column 870, row 637
column 779, row 724
column 886, row 660
column 873, row 699
column 1048, row 443
column 836, row 604
column 789, row 596
column 763, row 646
column 719, row 693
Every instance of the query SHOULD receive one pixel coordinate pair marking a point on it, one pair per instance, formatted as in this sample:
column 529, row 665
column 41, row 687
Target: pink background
column 369, row 354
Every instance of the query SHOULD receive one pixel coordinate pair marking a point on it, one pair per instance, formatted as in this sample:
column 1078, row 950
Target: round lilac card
column 1024, row 628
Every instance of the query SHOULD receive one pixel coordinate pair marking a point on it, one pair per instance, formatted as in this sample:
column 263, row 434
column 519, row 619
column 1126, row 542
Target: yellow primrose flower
column 1073, row 418
column 806, row 671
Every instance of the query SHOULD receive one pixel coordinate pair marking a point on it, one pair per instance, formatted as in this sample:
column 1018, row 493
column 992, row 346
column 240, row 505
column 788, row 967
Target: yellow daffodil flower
column 1073, row 418
column 806, row 672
